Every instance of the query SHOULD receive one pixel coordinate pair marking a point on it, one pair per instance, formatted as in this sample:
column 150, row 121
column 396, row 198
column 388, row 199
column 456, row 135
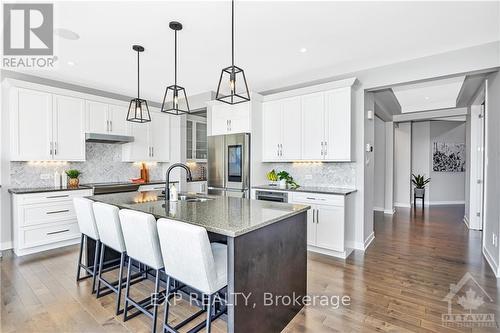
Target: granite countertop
column 309, row 189
column 221, row 215
column 27, row 190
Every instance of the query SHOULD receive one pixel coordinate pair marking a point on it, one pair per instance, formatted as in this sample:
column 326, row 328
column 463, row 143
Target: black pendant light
column 227, row 91
column 175, row 95
column 138, row 111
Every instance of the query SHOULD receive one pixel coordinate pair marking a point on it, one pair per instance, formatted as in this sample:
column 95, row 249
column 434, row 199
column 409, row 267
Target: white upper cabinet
column 97, row 117
column 46, row 126
column 230, row 119
column 68, row 128
column 106, row 118
column 159, row 137
column 31, row 125
column 282, row 130
column 151, row 140
column 313, row 122
column 272, row 130
column 338, row 124
column 310, row 127
column 117, row 116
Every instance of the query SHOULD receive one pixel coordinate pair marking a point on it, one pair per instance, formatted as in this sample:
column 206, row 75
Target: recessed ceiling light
column 427, row 97
column 303, row 50
column 66, row 34
column 71, row 63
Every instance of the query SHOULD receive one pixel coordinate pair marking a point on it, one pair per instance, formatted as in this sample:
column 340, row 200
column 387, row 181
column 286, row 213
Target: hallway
column 399, row 284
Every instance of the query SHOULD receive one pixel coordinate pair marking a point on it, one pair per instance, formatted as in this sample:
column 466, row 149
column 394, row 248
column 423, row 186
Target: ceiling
column 429, row 95
column 340, row 37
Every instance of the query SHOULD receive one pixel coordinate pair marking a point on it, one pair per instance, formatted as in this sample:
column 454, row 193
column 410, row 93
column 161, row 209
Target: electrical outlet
column 309, row 177
column 45, row 176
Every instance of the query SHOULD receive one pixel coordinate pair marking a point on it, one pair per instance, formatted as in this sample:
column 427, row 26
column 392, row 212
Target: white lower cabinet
column 326, row 222
column 44, row 221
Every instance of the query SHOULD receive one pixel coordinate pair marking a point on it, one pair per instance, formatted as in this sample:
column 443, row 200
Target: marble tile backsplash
column 103, row 164
column 321, row 174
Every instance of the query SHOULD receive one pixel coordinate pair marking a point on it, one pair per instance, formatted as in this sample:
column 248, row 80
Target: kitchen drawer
column 46, row 213
column 47, row 197
column 49, row 234
column 318, row 199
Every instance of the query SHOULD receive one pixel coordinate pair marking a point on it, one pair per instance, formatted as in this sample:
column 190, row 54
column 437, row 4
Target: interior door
column 330, row 227
column 160, row 137
column 338, row 124
column 69, row 128
column 272, row 130
column 118, row 119
column 313, row 124
column 97, row 117
column 32, row 120
column 292, row 129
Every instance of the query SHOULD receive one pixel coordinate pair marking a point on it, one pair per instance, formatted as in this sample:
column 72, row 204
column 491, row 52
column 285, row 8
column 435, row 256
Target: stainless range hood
column 108, row 138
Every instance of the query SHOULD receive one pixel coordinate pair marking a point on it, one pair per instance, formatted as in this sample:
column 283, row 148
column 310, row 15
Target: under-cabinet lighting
column 45, row 163
column 139, row 164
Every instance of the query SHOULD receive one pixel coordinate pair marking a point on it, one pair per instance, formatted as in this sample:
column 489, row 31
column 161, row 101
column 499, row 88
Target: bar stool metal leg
column 120, row 277
column 96, row 256
column 101, row 260
column 156, row 300
column 209, row 314
column 127, row 288
column 79, row 267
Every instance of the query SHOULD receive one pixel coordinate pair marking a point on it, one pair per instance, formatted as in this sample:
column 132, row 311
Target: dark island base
column 268, row 261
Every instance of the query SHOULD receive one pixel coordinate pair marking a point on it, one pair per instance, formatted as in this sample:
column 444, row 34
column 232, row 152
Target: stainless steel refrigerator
column 229, row 165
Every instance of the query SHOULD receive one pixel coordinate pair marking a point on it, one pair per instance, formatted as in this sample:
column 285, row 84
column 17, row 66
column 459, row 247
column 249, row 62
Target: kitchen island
column 267, row 251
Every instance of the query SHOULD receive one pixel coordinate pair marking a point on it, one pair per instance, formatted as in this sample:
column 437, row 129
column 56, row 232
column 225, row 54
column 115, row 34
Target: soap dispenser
column 174, row 196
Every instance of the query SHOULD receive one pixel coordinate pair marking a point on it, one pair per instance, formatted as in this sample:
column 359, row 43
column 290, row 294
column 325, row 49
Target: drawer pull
column 58, row 211
column 58, row 196
column 57, row 232
column 309, row 198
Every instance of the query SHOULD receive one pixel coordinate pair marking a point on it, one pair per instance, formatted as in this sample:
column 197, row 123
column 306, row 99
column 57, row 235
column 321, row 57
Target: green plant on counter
column 289, row 179
column 73, row 173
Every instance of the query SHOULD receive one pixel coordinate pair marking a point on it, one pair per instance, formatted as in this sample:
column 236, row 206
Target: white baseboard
column 390, row 211
column 331, row 253
column 6, row 246
column 489, row 258
column 436, row 203
column 402, row 204
column 378, row 209
column 369, row 240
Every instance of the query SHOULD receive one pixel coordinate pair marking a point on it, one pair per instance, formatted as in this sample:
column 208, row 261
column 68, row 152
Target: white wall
column 402, row 164
column 421, row 153
column 468, row 166
column 389, row 168
column 379, row 174
column 492, row 173
column 447, row 187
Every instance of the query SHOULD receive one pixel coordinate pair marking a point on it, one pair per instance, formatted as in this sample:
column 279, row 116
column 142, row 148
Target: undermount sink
column 189, row 198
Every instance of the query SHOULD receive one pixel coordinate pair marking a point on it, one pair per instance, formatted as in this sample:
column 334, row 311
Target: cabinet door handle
column 57, row 232
column 50, row 148
column 58, row 211
column 152, row 151
column 58, row 196
column 326, row 148
column 111, row 125
column 314, row 218
column 55, row 148
column 317, row 216
column 107, row 125
column 281, row 149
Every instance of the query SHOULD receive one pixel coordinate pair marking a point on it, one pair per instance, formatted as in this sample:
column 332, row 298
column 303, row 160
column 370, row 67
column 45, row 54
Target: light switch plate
column 45, row 176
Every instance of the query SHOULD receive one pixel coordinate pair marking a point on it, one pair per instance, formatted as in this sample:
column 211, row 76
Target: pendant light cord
column 232, row 32
column 138, row 78
column 175, row 59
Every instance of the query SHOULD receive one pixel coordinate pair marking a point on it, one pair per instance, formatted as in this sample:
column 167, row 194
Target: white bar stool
column 88, row 228
column 189, row 258
column 141, row 239
column 110, row 231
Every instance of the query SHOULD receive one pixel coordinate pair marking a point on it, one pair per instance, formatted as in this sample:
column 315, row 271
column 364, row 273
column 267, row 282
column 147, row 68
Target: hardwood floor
column 396, row 286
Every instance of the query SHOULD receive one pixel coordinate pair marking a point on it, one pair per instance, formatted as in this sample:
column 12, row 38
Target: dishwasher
column 271, row 196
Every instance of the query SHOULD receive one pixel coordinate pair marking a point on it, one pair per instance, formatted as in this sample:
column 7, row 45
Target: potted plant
column 419, row 182
column 286, row 180
column 73, row 177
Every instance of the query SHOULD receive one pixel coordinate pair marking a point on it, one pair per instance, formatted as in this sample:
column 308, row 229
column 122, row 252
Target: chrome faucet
column 167, row 181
